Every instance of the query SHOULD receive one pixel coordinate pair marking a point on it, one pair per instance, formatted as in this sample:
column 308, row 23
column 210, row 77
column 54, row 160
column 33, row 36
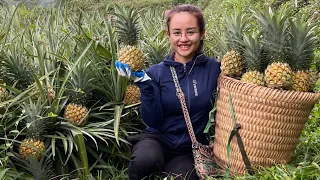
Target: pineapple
column 33, row 144
column 3, row 93
column 80, row 87
column 278, row 73
column 132, row 95
column 253, row 60
column 232, row 63
column 313, row 77
column 302, row 39
column 128, row 33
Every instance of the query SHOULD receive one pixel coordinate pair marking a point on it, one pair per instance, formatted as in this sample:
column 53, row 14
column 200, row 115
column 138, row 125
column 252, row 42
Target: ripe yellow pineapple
column 273, row 26
column 253, row 60
column 300, row 81
column 132, row 95
column 76, row 114
column 232, row 63
column 33, row 144
column 128, row 33
column 278, row 75
column 302, row 39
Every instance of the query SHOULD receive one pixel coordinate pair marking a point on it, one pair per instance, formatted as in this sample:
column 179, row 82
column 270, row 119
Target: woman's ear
column 167, row 32
column 203, row 34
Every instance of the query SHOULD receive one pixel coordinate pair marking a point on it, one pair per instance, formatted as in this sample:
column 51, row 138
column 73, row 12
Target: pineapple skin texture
column 3, row 93
column 51, row 94
column 132, row 95
column 32, row 146
column 232, row 64
column 253, row 77
column 75, row 113
column 313, row 77
column 278, row 75
column 300, row 81
column 132, row 56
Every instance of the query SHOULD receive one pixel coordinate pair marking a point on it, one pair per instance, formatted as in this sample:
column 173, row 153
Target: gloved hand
column 125, row 71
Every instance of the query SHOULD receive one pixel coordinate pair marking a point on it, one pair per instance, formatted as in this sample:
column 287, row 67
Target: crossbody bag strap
column 183, row 105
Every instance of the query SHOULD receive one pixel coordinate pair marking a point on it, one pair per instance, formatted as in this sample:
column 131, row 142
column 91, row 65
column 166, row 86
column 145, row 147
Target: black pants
column 152, row 158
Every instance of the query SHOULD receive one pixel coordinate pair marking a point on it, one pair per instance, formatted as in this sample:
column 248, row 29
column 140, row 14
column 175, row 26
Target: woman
column 165, row 145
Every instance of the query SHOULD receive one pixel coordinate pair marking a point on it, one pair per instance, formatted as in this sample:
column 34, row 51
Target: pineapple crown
column 127, row 25
column 253, row 52
column 15, row 68
column 235, row 26
column 232, row 33
column 274, row 31
column 302, row 40
column 80, row 84
column 33, row 114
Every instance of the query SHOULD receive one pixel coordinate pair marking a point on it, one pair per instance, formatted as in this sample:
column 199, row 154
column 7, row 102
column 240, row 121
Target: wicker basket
column 271, row 122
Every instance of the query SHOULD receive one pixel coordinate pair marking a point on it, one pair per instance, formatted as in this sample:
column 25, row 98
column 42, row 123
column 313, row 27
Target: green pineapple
column 232, row 63
column 273, row 25
column 302, row 39
column 253, row 60
column 33, row 145
column 80, row 86
column 127, row 28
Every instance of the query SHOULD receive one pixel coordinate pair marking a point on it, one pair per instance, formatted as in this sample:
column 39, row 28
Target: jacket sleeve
column 151, row 107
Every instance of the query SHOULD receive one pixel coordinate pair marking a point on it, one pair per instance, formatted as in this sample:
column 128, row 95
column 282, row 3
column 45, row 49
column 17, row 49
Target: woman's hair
column 190, row 9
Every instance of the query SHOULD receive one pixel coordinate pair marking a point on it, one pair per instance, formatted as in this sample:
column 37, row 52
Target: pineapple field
column 65, row 113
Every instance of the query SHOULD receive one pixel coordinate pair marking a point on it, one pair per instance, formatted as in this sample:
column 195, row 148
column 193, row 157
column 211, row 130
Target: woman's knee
column 146, row 158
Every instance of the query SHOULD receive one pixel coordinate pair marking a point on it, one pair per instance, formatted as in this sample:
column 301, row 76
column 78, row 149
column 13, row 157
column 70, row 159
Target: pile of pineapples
column 277, row 52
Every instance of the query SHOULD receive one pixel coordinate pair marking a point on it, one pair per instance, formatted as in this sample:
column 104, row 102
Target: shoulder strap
column 183, row 105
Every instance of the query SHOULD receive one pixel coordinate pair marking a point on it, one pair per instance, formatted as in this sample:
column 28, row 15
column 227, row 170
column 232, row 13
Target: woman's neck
column 181, row 60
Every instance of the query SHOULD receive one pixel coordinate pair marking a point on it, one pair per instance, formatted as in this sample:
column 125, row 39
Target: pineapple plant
column 232, row 63
column 253, row 60
column 127, row 28
column 278, row 73
column 80, row 86
column 132, row 95
column 302, row 39
column 3, row 93
column 33, row 145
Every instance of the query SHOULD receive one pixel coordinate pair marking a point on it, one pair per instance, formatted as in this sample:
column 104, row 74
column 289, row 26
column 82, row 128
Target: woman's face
column 184, row 35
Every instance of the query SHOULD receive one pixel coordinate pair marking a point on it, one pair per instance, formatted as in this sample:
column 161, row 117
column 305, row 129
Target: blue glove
column 125, row 71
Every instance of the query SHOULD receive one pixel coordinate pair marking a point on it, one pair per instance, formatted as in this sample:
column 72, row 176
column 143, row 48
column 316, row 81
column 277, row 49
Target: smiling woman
column 166, row 145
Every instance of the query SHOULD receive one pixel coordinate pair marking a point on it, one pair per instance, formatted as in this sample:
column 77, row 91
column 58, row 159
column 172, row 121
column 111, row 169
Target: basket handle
column 235, row 132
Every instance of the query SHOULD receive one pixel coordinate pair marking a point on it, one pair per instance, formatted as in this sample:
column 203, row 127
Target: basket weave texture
column 271, row 122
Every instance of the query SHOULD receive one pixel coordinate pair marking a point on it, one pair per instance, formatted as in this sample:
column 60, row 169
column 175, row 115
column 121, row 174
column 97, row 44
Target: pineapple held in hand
column 302, row 40
column 132, row 95
column 33, row 145
column 253, row 60
column 128, row 34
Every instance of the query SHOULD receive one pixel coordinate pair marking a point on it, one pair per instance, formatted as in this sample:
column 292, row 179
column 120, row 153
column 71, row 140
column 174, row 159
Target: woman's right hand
column 125, row 71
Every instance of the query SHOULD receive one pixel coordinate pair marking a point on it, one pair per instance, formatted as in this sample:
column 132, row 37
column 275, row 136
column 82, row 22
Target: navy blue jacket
column 160, row 107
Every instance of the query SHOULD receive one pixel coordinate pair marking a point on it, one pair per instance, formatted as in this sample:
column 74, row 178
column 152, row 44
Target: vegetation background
column 42, row 39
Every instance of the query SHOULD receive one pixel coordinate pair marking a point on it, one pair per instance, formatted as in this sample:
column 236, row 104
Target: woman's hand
column 125, row 71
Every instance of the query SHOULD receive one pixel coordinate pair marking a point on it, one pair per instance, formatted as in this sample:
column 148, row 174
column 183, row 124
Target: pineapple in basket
column 302, row 39
column 232, row 63
column 127, row 28
column 253, row 60
column 132, row 95
column 278, row 73
column 80, row 86
column 33, row 144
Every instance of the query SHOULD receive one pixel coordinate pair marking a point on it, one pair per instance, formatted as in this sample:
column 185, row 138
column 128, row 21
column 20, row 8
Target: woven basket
column 271, row 122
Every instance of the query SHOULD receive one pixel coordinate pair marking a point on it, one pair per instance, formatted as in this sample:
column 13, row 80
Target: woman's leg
column 146, row 159
column 181, row 167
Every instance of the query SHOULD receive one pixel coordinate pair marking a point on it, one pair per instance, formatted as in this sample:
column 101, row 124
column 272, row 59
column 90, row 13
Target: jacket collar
column 198, row 59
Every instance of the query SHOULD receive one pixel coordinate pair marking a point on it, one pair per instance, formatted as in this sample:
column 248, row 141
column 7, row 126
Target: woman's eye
column 177, row 33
